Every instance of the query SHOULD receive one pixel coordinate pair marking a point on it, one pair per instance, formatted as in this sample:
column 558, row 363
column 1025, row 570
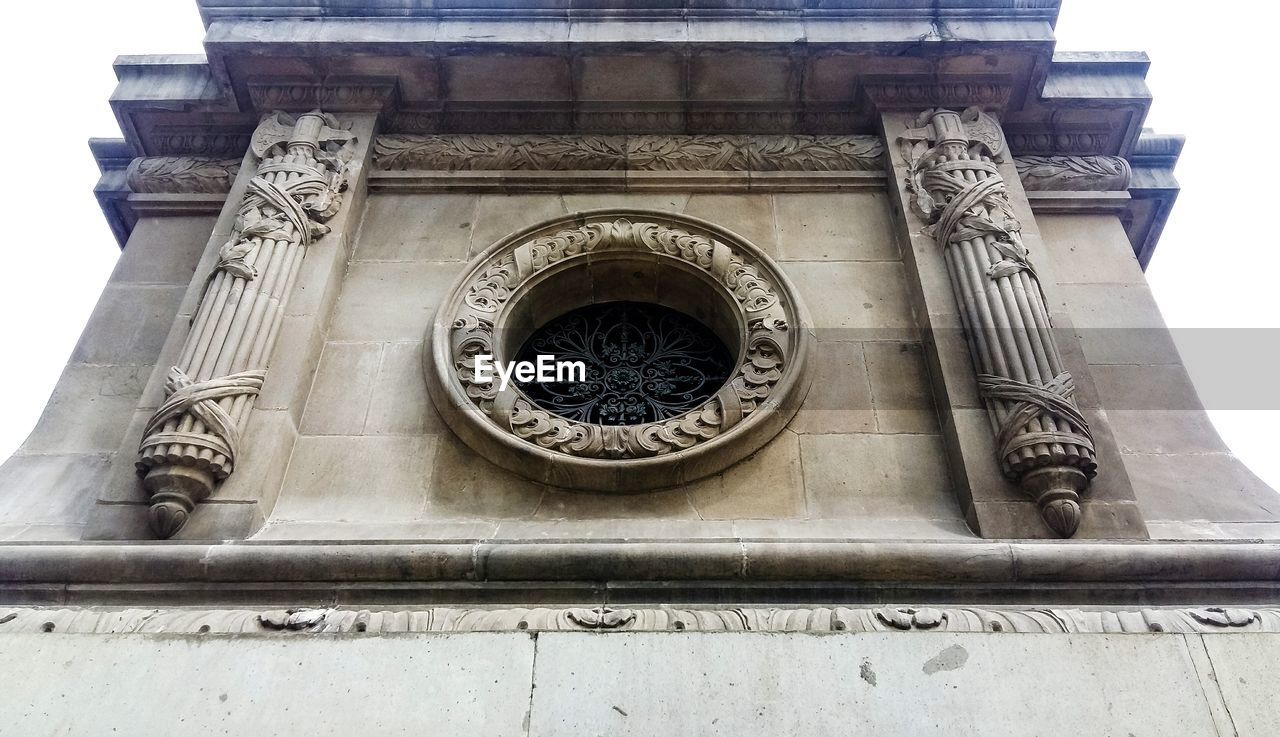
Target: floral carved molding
column 770, row 378
column 633, row 153
column 301, row 622
column 674, row 153
column 181, row 175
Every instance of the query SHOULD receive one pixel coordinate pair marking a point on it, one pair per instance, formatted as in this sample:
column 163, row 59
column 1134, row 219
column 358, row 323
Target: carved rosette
column 193, row 440
column 761, row 395
column 1042, row 440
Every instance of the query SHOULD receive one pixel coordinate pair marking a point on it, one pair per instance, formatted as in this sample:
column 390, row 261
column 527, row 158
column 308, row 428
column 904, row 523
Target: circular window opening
column 642, row 362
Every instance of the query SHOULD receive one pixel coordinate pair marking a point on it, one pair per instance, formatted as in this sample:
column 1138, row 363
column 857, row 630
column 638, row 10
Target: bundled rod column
column 1042, row 440
column 192, row 441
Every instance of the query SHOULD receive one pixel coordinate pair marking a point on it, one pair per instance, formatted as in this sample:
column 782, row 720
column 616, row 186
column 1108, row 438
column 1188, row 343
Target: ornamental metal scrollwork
column 773, row 348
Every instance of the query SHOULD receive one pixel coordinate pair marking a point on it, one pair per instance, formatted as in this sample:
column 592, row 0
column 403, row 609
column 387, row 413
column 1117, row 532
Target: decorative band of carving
column 1202, row 620
column 181, row 175
column 754, row 296
column 1073, row 173
column 754, row 292
column 634, row 153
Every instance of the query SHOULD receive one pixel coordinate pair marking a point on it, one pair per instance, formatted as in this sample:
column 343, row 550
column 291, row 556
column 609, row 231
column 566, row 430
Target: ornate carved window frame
column 738, row 289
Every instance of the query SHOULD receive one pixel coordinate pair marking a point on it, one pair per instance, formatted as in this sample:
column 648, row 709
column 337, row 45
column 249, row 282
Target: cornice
column 626, row 572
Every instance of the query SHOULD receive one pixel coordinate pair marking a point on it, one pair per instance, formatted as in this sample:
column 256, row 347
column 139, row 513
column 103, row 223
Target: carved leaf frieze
column 1073, row 173
column 182, row 175
column 303, row 621
column 634, row 153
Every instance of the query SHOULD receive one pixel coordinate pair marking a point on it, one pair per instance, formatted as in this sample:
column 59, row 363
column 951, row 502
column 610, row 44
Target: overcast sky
column 1214, row 274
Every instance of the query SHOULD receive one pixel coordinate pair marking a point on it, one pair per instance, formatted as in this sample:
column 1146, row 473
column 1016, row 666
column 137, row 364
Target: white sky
column 1214, row 275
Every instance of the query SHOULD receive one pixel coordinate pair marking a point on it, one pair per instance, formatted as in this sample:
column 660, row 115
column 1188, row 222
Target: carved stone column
column 193, row 440
column 1043, row 441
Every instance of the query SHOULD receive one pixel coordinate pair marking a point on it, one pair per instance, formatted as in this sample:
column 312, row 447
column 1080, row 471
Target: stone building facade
column 948, row 413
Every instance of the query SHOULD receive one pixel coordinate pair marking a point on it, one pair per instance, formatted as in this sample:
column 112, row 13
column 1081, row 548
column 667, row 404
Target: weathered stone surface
column 840, row 400
column 343, row 387
column 358, row 479
column 415, row 288
column 129, row 325
column 816, row 685
column 465, row 485
column 468, row 686
column 400, row 405
column 417, row 228
column 766, row 485
column 834, row 227
column 1090, row 249
column 1119, row 323
column 1243, row 668
column 163, row 250
column 1215, row 487
column 89, row 409
column 750, row 216
column 900, row 388
column 498, row 215
column 891, row 476
column 853, row 301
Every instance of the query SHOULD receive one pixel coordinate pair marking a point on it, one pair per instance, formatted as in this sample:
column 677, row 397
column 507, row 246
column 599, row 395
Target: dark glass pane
column 644, row 363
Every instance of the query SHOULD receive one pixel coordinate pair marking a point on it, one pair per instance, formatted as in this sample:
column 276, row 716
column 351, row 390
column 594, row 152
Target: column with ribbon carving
column 192, row 441
column 1042, row 440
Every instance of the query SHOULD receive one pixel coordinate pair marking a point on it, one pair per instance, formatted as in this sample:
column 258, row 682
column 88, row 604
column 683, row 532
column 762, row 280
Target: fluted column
column 1043, row 442
column 192, row 442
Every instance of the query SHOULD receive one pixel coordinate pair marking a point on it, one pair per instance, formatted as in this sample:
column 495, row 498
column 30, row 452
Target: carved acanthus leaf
column 181, row 175
column 1073, row 173
column 633, row 153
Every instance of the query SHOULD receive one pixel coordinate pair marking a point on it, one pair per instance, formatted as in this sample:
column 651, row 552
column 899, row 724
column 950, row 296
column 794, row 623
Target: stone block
column 499, row 215
column 877, row 683
column 267, row 442
column 733, row 77
column 1163, row 387
column 464, row 484
column 848, row 528
column 614, row 529
column 122, row 483
column 835, row 227
column 320, row 279
column 153, row 395
column 357, row 479
column 748, row 215
column 626, row 78
column 854, row 301
column 472, row 78
column 89, row 409
column 129, row 325
column 51, row 489
column 400, row 405
column 663, row 201
column 563, row 504
column 900, row 391
column 840, row 399
column 893, row 476
column 407, row 530
column 1119, row 323
column 1243, row 668
column 118, row 521
column 214, row 520
column 1214, row 487
column 465, row 685
column 1090, row 249
column 418, row 227
column 340, row 395
column 766, row 485
column 163, row 250
column 390, row 301
column 292, row 365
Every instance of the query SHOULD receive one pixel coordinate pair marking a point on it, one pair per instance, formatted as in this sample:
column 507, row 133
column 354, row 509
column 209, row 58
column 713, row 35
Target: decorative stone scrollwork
column 634, row 153
column 193, row 440
column 702, row 269
column 1043, row 441
column 305, row 622
column 182, row 175
column 1073, row 173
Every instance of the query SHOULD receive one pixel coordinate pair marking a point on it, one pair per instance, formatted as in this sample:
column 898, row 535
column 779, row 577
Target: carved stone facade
column 936, row 354
column 193, row 440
